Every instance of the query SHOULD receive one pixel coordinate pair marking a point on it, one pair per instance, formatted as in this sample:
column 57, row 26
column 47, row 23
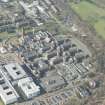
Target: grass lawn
column 93, row 14
column 86, row 9
column 100, row 27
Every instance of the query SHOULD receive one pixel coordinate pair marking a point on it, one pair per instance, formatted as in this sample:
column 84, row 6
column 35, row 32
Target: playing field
column 93, row 14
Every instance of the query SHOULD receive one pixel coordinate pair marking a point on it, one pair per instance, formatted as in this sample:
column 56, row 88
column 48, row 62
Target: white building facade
column 28, row 87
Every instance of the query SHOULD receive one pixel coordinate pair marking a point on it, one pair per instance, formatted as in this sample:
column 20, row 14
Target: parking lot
column 55, row 98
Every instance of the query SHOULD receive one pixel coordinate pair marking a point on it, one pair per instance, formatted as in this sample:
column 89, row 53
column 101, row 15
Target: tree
column 100, row 61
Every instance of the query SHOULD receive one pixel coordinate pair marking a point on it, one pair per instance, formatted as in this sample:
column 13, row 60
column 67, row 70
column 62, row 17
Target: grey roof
column 29, row 55
column 52, row 54
column 43, row 65
column 56, row 60
column 51, row 83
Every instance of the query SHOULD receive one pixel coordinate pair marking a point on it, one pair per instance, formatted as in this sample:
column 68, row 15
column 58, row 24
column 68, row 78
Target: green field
column 100, row 27
column 92, row 14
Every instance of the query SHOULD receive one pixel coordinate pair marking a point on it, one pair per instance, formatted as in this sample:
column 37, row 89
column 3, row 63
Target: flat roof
column 28, row 86
column 15, row 71
column 7, row 92
column 52, row 82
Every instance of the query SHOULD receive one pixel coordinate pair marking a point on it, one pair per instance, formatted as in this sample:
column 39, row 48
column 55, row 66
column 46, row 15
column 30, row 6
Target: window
column 0, row 76
column 9, row 93
column 14, row 68
column 18, row 72
column 6, row 87
column 29, row 87
column 2, row 82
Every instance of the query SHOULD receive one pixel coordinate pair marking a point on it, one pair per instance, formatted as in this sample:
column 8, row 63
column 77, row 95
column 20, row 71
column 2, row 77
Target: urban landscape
column 51, row 53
